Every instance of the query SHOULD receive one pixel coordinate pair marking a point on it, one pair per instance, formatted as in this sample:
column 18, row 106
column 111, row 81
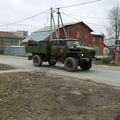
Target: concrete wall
column 15, row 50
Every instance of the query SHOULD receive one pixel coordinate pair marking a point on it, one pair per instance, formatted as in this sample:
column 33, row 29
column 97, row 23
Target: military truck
column 67, row 51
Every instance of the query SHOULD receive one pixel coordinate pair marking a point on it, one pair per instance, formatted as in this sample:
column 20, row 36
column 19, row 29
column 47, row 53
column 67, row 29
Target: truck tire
column 71, row 64
column 37, row 60
column 86, row 65
column 52, row 63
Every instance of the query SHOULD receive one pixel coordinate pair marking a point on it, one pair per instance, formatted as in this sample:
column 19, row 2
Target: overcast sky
column 15, row 10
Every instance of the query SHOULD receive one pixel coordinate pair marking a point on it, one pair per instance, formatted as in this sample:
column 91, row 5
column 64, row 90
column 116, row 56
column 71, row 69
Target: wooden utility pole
column 52, row 21
column 60, row 19
column 63, row 26
column 58, row 22
column 51, row 17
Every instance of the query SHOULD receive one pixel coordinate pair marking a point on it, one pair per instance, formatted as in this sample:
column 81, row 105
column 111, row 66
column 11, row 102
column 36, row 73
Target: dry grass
column 37, row 96
column 5, row 67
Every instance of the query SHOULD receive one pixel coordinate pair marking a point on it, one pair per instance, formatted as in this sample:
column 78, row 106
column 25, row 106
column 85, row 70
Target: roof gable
column 79, row 23
column 65, row 25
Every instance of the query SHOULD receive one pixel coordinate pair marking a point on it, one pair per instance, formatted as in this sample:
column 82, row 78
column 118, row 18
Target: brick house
column 85, row 35
column 78, row 31
column 8, row 39
column 98, row 42
column 117, row 51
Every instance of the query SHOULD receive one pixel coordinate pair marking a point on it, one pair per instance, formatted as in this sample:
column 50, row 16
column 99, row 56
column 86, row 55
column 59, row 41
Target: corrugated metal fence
column 16, row 50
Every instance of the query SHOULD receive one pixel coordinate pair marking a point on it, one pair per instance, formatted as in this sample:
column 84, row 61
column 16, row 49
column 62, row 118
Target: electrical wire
column 85, row 21
column 86, row 16
column 22, row 20
column 84, row 3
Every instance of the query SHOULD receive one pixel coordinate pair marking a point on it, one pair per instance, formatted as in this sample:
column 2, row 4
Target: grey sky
column 15, row 10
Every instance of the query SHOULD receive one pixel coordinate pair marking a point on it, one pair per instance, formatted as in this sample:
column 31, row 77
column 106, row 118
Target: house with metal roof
column 8, row 39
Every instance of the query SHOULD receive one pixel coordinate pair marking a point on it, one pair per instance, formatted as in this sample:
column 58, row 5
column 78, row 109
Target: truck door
column 61, row 48
column 54, row 48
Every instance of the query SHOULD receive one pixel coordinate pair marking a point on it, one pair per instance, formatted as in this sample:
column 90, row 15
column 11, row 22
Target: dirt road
column 99, row 73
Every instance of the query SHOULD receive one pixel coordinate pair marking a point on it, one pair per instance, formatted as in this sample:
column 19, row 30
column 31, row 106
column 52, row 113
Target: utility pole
column 58, row 22
column 55, row 27
column 52, row 22
column 60, row 19
column 51, row 17
column 63, row 26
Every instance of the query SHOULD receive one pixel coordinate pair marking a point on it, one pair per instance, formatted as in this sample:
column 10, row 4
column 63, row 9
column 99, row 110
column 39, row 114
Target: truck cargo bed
column 40, row 48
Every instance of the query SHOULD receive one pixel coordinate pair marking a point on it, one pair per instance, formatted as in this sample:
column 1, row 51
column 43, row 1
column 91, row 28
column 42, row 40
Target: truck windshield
column 73, row 43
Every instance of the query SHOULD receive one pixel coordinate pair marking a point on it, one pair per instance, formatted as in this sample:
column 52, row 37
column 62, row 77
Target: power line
column 46, row 11
column 85, row 21
column 24, row 19
column 89, row 2
column 86, row 16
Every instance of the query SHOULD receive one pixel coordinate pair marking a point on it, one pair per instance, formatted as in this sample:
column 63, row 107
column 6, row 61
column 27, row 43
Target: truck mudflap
column 30, row 57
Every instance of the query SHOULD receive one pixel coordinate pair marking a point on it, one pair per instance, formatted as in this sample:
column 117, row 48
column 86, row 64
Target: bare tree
column 114, row 19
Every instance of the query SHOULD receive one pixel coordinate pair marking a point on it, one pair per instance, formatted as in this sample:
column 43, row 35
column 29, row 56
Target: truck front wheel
column 37, row 60
column 71, row 64
column 86, row 65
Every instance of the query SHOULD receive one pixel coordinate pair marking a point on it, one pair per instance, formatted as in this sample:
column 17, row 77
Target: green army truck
column 67, row 51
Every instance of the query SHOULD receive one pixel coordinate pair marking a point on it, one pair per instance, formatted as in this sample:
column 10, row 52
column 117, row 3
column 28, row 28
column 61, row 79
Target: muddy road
column 98, row 73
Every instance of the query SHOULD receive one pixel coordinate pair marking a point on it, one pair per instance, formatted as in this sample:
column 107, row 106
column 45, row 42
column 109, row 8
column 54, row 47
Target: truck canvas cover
column 37, row 36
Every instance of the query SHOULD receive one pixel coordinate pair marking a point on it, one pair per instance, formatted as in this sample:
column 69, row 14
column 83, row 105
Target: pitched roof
column 97, row 34
column 44, row 33
column 8, row 35
column 81, row 22
column 67, row 24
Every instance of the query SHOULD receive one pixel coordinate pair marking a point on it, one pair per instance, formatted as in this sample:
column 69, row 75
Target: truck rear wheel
column 37, row 60
column 86, row 65
column 71, row 64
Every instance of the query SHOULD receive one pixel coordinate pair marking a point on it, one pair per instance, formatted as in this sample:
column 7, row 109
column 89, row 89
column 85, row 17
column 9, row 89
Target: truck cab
column 62, row 48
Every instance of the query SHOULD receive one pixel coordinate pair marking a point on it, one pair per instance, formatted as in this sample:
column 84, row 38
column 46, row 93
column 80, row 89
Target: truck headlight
column 82, row 55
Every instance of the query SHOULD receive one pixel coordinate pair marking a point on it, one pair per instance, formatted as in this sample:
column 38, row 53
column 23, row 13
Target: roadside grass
column 5, row 67
column 39, row 96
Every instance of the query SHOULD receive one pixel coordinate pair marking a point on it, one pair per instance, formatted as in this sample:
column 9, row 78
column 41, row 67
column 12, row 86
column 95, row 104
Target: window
column 72, row 43
column 2, row 42
column 68, row 34
column 100, row 39
column 78, row 35
column 94, row 38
